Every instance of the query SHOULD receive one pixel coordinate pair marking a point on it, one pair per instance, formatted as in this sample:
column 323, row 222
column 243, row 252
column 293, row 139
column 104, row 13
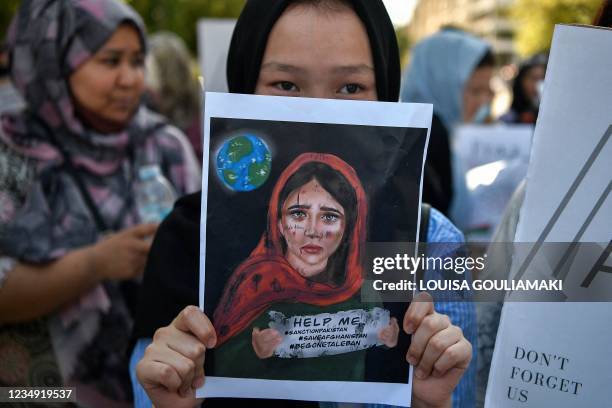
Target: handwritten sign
column 476, row 145
column 489, row 163
column 328, row 333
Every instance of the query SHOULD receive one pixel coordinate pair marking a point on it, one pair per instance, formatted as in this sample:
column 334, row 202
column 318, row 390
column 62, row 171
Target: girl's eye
column 297, row 215
column 111, row 62
column 329, row 218
column 138, row 61
column 286, row 86
column 351, row 89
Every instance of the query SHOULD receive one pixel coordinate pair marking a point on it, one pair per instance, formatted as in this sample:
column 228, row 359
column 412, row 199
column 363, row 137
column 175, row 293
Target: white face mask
column 483, row 112
column 540, row 91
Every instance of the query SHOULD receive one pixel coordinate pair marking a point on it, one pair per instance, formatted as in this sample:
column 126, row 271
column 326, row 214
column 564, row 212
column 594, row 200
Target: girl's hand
column 389, row 334
column 173, row 364
column 265, row 342
column 438, row 351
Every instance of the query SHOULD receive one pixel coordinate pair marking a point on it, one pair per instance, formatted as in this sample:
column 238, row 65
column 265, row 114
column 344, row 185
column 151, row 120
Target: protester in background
column 452, row 70
column 274, row 51
column 604, row 16
column 10, row 100
column 173, row 89
column 70, row 243
column 526, row 91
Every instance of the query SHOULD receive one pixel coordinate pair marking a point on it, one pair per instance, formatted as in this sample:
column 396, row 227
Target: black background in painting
column 388, row 161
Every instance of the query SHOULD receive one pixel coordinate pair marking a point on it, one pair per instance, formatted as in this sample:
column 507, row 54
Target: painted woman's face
column 312, row 223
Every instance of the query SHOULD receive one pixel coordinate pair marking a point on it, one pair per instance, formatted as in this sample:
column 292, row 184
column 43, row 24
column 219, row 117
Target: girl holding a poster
column 325, row 49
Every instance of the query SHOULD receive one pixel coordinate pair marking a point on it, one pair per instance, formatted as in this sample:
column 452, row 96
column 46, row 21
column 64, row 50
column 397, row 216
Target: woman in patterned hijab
column 67, row 169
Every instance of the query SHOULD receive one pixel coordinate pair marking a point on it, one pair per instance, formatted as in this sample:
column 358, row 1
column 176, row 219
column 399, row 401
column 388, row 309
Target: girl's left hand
column 389, row 334
column 438, row 351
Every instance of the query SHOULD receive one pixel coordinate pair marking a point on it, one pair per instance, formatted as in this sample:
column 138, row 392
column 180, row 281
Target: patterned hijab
column 48, row 40
column 73, row 30
column 44, row 216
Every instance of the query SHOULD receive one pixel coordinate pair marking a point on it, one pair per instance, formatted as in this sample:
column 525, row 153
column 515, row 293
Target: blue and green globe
column 244, row 162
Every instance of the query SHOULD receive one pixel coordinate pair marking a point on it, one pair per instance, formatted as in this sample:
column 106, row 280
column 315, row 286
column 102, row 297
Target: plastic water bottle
column 154, row 194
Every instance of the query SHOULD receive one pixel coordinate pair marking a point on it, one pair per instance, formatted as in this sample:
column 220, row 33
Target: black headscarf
column 521, row 103
column 259, row 16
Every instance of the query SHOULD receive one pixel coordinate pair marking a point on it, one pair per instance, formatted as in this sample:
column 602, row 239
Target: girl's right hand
column 173, row 364
column 265, row 342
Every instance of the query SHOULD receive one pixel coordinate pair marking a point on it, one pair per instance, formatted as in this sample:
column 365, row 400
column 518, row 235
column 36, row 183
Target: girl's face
column 111, row 82
column 312, row 223
column 477, row 92
column 531, row 80
column 318, row 53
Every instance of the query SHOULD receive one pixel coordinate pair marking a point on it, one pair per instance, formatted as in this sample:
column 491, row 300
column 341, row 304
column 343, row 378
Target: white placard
column 488, row 164
column 559, row 354
column 310, row 111
column 214, row 36
column 475, row 145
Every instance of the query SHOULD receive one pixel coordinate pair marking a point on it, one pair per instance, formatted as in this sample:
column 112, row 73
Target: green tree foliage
column 178, row 16
column 7, row 10
column 535, row 20
column 403, row 42
column 181, row 16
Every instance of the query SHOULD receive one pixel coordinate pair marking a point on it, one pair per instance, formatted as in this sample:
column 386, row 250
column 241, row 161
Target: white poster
column 214, row 36
column 488, row 163
column 559, row 354
column 475, row 145
column 293, row 191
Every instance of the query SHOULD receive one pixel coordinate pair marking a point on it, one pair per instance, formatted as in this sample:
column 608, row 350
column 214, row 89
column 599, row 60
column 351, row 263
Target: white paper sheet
column 559, row 354
column 317, row 111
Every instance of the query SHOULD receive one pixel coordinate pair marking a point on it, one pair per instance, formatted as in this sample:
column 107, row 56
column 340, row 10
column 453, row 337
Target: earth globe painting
column 244, row 162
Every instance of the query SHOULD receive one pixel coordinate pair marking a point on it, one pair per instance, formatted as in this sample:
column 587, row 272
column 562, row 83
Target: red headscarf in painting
column 266, row 277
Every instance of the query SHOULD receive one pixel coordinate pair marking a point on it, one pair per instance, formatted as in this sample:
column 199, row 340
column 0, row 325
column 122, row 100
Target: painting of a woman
column 307, row 262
